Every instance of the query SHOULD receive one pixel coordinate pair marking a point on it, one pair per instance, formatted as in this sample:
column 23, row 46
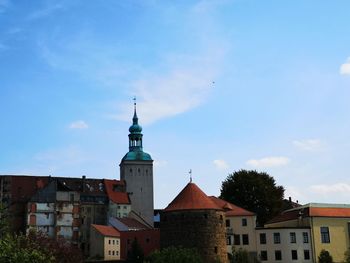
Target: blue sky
column 221, row 86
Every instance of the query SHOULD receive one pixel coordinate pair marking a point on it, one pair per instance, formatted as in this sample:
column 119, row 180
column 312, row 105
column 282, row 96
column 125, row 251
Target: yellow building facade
column 104, row 242
column 329, row 227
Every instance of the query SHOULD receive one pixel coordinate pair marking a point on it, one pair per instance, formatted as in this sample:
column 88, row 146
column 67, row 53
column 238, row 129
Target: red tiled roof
column 231, row 209
column 309, row 211
column 191, row 198
column 288, row 215
column 106, row 230
column 116, row 197
column 329, row 211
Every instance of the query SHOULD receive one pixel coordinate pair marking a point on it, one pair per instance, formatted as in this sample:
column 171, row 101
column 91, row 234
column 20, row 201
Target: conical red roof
column 191, row 198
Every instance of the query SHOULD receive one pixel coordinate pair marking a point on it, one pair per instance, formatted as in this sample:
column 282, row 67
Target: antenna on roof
column 190, row 172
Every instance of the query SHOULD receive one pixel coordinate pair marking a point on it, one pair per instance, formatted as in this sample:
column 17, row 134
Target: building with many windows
column 316, row 227
column 284, row 244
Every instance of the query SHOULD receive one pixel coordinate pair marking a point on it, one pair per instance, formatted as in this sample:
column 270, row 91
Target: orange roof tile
column 309, row 211
column 106, row 230
column 116, row 197
column 329, row 211
column 231, row 209
column 191, row 198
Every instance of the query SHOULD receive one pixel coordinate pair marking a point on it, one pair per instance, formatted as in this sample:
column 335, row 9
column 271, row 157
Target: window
column 227, row 222
column 263, row 255
column 228, row 240
column 278, row 255
column 306, row 254
column 109, row 252
column 245, row 239
column 236, row 240
column 109, row 242
column 293, row 238
column 216, row 250
column 72, row 198
column 117, row 253
column 112, row 253
column 305, row 237
column 276, row 238
column 244, row 221
column 325, row 235
column 113, row 241
column 262, row 238
column 294, row 255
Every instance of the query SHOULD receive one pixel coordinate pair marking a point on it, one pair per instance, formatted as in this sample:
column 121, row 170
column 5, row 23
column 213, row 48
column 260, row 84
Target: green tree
column 175, row 255
column 254, row 191
column 240, row 256
column 19, row 248
column 325, row 257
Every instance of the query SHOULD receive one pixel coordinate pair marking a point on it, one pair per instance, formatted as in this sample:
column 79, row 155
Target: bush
column 325, row 257
column 175, row 255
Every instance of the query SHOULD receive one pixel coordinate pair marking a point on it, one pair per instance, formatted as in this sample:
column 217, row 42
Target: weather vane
column 134, row 99
column 190, row 172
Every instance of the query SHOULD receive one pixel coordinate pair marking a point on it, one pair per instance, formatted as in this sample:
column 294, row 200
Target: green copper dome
column 135, row 128
column 135, row 142
column 137, row 156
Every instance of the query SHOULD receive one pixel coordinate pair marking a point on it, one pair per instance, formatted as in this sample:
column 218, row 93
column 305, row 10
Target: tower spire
column 135, row 119
column 135, row 136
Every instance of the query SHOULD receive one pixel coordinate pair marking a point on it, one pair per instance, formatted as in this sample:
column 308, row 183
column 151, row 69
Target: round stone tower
column 193, row 220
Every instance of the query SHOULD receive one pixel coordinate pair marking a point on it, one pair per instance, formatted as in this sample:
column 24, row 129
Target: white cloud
column 308, row 145
column 172, row 93
column 268, row 162
column 331, row 188
column 345, row 68
column 78, row 125
column 221, row 164
column 171, row 85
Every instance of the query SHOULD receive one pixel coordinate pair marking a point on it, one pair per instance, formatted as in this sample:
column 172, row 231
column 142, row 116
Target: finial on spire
column 135, row 119
column 190, row 172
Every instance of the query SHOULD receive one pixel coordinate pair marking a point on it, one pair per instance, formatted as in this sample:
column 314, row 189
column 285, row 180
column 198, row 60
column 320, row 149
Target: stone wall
column 200, row 229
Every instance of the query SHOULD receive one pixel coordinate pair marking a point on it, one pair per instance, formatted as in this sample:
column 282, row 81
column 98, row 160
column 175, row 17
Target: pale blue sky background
column 279, row 103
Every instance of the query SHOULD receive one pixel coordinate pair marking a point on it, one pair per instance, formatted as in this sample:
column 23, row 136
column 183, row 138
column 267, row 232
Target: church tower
column 136, row 168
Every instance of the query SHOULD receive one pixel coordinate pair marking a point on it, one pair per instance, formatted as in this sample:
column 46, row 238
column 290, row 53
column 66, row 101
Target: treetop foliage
column 254, row 191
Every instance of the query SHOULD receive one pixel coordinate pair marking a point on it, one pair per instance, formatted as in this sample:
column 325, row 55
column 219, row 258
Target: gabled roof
column 192, row 198
column 231, row 209
column 113, row 195
column 106, row 230
column 132, row 223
